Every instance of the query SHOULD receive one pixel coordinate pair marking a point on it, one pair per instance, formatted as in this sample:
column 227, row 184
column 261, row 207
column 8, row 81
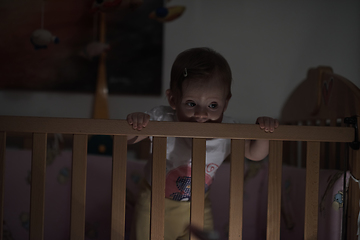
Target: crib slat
column 236, row 189
column 158, row 188
column 312, row 190
column 118, row 199
column 332, row 149
column 2, row 178
column 323, row 146
column 78, row 187
column 198, row 182
column 37, row 196
column 274, row 190
column 342, row 151
column 354, row 191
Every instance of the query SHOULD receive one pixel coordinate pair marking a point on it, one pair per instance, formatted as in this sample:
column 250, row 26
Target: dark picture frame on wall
column 133, row 60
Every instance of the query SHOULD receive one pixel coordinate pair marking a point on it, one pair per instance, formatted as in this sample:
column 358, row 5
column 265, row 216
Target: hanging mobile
column 40, row 38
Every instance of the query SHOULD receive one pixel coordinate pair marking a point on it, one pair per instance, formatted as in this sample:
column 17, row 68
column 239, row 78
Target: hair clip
column 185, row 72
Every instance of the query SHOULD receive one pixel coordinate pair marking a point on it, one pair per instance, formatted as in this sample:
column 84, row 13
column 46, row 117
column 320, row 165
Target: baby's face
column 202, row 101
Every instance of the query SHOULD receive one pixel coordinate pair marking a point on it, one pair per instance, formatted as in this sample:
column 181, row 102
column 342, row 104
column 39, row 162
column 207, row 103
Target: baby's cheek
column 216, row 117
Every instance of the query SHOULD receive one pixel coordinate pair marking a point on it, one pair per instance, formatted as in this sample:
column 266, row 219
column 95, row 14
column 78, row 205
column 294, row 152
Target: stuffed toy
column 40, row 38
column 94, row 49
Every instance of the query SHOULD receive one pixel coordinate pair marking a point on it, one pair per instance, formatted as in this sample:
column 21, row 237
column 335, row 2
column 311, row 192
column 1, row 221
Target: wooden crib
column 316, row 107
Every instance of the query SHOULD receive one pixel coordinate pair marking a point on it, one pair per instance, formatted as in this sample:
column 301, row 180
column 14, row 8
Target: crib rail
column 81, row 128
column 168, row 129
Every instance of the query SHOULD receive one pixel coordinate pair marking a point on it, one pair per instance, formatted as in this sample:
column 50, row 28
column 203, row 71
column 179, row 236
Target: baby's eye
column 213, row 105
column 191, row 104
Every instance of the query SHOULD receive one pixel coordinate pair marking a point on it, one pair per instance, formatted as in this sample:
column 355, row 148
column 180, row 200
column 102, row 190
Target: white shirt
column 178, row 157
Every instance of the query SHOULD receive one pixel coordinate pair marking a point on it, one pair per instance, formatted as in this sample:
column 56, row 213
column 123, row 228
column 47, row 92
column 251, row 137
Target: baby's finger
column 274, row 123
column 146, row 120
column 271, row 125
column 260, row 121
column 135, row 121
column 129, row 119
column 267, row 124
column 140, row 121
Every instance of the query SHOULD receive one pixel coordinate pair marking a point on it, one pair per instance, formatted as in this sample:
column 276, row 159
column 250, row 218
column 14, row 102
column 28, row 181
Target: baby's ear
column 171, row 99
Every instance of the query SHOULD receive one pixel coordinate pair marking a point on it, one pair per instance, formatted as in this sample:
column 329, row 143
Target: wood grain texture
column 312, row 190
column 197, row 183
column 37, row 194
column 274, row 190
column 78, row 187
column 158, row 189
column 118, row 188
column 236, row 188
column 174, row 129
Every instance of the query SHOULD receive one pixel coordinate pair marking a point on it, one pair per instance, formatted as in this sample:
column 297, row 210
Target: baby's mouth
column 201, row 120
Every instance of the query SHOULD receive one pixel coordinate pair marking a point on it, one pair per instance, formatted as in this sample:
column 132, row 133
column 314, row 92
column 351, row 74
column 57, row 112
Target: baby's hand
column 138, row 120
column 267, row 123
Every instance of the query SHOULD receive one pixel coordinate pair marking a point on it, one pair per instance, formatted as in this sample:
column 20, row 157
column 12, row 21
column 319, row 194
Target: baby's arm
column 257, row 150
column 138, row 120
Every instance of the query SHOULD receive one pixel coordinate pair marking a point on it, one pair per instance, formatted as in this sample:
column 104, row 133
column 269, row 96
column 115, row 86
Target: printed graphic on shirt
column 211, row 167
column 178, row 183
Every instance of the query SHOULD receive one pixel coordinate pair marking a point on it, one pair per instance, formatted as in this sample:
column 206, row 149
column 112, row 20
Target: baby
column 200, row 90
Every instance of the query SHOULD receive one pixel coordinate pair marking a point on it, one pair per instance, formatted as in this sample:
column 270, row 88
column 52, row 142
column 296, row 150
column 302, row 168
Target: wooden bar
column 332, row 149
column 312, row 190
column 342, row 152
column 236, row 189
column 198, row 183
column 172, row 129
column 78, row 187
column 354, row 194
column 303, row 149
column 354, row 191
column 158, row 189
column 323, row 147
column 303, row 154
column 118, row 188
column 2, row 179
column 37, row 195
column 274, row 190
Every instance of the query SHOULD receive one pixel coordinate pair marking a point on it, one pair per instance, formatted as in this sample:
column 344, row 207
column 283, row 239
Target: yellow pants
column 177, row 217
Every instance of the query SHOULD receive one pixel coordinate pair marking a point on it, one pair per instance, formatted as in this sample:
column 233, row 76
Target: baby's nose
column 201, row 112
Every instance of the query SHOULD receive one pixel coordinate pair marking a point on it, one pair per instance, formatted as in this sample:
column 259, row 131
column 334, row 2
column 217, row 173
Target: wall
column 269, row 44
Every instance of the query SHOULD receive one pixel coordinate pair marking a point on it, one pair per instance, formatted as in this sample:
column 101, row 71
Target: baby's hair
column 199, row 64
